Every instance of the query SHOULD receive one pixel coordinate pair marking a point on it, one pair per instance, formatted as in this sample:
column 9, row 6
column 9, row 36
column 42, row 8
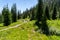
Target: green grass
column 11, row 25
column 54, row 26
column 27, row 32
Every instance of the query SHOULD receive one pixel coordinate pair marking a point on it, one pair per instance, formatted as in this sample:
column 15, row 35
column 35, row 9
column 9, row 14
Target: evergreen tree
column 47, row 13
column 14, row 13
column 39, row 13
column 59, row 13
column 32, row 15
column 39, row 10
column 19, row 14
column 24, row 15
column 44, row 26
column 6, row 16
column 41, row 18
column 54, row 15
column 0, row 18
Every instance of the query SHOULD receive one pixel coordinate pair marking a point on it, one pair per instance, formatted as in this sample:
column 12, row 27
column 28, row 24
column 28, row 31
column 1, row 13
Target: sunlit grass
column 12, row 24
column 54, row 26
column 27, row 32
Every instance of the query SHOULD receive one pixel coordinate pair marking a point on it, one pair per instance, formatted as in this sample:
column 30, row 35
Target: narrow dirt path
column 13, row 26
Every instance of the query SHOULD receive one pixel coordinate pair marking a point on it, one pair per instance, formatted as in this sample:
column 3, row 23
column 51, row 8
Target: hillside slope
column 27, row 31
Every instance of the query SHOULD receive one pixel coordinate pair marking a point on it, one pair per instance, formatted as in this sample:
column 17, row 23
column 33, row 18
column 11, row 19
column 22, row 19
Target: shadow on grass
column 1, row 25
column 55, row 33
column 45, row 29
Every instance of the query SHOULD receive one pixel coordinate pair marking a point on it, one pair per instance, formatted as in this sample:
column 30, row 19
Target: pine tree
column 54, row 15
column 32, row 15
column 6, row 16
column 59, row 13
column 14, row 13
column 24, row 15
column 0, row 18
column 19, row 14
column 47, row 13
column 41, row 18
column 39, row 13
column 39, row 10
column 44, row 26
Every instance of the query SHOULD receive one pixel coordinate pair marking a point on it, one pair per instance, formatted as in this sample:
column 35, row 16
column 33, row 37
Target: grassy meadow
column 28, row 31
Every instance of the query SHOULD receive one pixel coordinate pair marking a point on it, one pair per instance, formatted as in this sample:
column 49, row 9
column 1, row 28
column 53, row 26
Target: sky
column 21, row 4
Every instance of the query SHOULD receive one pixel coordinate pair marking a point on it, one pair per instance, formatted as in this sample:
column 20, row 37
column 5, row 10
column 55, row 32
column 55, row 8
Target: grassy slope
column 13, row 24
column 27, row 32
column 54, row 25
